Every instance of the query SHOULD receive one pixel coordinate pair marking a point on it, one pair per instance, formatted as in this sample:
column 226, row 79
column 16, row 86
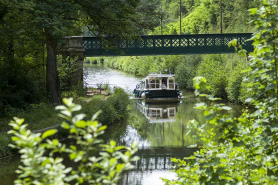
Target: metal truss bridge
column 167, row 45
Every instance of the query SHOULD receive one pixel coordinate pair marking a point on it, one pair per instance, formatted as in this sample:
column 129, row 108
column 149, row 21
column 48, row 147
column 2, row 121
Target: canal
column 158, row 126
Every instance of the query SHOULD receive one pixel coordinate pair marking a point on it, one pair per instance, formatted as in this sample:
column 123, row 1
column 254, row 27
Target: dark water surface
column 158, row 126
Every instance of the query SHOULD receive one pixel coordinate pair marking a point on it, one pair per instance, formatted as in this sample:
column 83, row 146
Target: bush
column 114, row 109
column 19, row 86
column 119, row 100
column 235, row 65
column 67, row 68
column 244, row 151
column 186, row 70
column 4, row 149
column 42, row 159
column 74, row 91
column 234, row 88
column 213, row 68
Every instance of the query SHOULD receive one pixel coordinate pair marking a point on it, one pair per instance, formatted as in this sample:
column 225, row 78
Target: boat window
column 171, row 112
column 154, row 84
column 155, row 113
column 171, row 84
column 142, row 85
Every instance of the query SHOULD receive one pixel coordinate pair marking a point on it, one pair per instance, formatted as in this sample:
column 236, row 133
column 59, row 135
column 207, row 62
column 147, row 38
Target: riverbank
column 40, row 117
column 223, row 71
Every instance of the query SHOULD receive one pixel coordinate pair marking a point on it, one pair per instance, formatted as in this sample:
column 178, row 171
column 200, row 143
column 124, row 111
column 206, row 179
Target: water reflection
column 162, row 123
column 154, row 164
column 158, row 111
column 159, row 127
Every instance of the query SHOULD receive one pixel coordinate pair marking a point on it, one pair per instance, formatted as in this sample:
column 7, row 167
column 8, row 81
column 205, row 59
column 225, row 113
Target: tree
column 56, row 19
column 244, row 151
column 21, row 59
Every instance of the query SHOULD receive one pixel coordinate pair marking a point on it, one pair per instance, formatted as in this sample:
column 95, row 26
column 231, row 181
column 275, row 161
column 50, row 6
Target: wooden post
column 161, row 20
column 221, row 31
column 180, row 17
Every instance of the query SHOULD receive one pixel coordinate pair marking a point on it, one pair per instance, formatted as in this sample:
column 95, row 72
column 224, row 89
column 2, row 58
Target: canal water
column 158, row 126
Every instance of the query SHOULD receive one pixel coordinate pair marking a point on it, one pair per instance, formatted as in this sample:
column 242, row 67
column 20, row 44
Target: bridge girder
column 166, row 45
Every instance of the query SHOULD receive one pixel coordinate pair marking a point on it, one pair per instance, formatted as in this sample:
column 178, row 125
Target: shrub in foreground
column 245, row 151
column 41, row 161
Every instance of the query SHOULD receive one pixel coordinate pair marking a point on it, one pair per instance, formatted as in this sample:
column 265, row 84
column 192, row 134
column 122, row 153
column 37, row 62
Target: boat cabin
column 159, row 81
column 157, row 85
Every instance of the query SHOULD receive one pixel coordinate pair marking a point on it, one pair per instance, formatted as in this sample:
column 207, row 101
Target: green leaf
column 102, row 128
column 81, row 124
column 119, row 167
column 68, row 101
column 136, row 158
column 78, row 117
column 248, row 100
column 134, row 145
column 96, row 115
column 76, row 108
column 113, row 143
column 200, row 105
column 65, row 125
column 221, row 155
column 73, row 147
column 242, row 52
column 66, row 113
column 61, row 107
column 226, row 108
column 233, row 43
column 49, row 133
column 55, row 142
column 253, row 11
column 246, row 70
column 120, row 148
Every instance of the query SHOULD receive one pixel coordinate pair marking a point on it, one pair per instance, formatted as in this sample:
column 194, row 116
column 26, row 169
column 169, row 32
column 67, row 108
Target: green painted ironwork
column 167, row 45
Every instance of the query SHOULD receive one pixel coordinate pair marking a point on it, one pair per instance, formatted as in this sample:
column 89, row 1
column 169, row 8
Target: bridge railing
column 167, row 44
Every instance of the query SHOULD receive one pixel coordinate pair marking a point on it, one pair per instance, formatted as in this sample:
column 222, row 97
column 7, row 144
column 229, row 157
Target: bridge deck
column 168, row 45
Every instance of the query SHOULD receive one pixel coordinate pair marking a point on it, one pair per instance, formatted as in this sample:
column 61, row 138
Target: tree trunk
column 10, row 53
column 52, row 78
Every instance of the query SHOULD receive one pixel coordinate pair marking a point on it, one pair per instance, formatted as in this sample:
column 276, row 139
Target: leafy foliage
column 30, row 31
column 114, row 108
column 186, row 70
column 203, row 16
column 40, row 116
column 222, row 70
column 67, row 69
column 198, row 17
column 19, row 85
column 213, row 68
column 41, row 158
column 245, row 151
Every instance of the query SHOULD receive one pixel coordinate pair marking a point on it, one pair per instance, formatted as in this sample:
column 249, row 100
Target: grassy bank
column 41, row 116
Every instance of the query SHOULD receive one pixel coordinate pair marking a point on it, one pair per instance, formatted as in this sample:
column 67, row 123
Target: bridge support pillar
column 75, row 52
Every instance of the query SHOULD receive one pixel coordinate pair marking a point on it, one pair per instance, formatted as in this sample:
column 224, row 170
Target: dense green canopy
column 31, row 29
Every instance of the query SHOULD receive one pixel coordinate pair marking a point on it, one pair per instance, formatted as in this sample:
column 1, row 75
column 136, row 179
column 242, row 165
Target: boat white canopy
column 156, row 81
column 159, row 76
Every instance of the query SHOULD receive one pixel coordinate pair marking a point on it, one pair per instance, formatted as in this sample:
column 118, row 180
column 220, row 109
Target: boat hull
column 164, row 93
